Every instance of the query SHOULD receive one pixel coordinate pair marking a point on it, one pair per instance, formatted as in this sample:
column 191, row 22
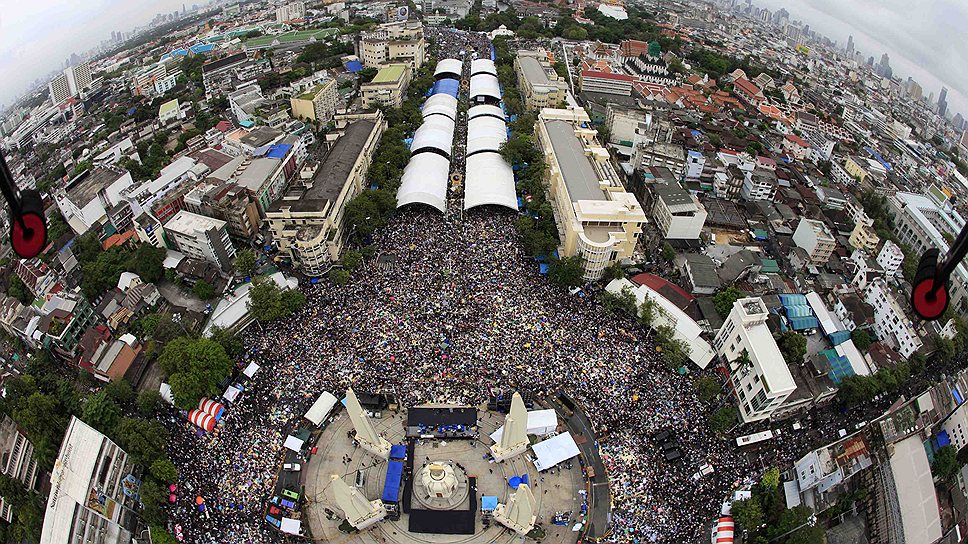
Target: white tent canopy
column 540, row 422
column 251, row 369
column 554, row 450
column 293, row 443
column 485, row 85
column 166, row 394
column 320, row 409
column 424, row 181
column 449, row 66
column 290, row 526
column 231, row 393
column 485, row 110
column 436, row 132
column 483, row 65
column 485, row 134
column 440, row 103
column 490, row 180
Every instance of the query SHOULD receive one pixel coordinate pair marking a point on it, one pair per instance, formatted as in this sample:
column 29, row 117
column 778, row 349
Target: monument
column 373, row 443
column 514, row 439
column 441, row 485
column 518, row 514
column 359, row 512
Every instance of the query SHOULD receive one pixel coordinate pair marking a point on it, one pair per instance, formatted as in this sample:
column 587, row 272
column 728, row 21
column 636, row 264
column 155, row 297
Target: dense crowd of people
column 460, row 312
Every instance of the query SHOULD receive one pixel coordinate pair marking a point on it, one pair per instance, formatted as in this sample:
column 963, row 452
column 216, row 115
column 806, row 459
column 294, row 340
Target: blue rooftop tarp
column 261, row 150
column 839, row 366
column 391, row 489
column 943, row 439
column 877, row 157
column 201, row 48
column 398, row 451
column 247, row 123
column 543, row 268
column 354, row 66
column 446, row 86
column 488, row 503
column 839, row 337
column 803, row 323
column 278, row 151
column 957, row 395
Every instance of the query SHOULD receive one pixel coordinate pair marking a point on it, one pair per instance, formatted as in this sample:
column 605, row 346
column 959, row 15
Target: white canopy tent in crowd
column 489, row 181
column 540, row 423
column 293, row 443
column 321, row 409
column 251, row 369
column 424, row 181
column 442, row 104
column 485, row 133
column 436, row 132
column 485, row 110
column 483, row 66
column 447, row 67
column 290, row 526
column 485, row 85
column 556, row 449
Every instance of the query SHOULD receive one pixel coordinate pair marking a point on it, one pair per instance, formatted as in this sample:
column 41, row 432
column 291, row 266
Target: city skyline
column 36, row 37
column 917, row 41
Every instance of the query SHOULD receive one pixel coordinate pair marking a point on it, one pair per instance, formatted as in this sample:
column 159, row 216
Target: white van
column 292, row 467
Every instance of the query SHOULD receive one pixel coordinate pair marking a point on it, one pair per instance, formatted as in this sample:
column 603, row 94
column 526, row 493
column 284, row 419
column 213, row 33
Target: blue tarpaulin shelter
column 354, row 66
column 398, row 451
column 278, row 151
column 391, row 489
column 839, row 337
column 543, row 268
column 839, row 366
column 943, row 439
column 799, row 313
column 446, row 86
column 488, row 503
column 247, row 123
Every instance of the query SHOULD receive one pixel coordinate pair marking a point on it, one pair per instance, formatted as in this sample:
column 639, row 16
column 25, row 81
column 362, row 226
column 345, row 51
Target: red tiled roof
column 675, row 294
column 747, row 86
column 797, row 140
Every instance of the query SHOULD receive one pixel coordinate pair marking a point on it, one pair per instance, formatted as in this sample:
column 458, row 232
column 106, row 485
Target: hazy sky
column 924, row 39
column 36, row 36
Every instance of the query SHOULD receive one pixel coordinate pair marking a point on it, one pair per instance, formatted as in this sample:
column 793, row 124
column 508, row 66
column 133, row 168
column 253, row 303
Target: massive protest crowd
column 461, row 311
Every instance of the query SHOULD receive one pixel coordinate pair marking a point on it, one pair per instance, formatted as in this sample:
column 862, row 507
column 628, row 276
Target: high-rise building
column 59, row 89
column 914, row 89
column 943, row 101
column 70, row 82
column 290, row 12
column 202, row 238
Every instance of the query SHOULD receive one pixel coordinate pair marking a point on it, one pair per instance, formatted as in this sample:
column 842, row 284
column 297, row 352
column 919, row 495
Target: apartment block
column 758, row 373
column 201, row 237
column 816, row 239
column 538, row 81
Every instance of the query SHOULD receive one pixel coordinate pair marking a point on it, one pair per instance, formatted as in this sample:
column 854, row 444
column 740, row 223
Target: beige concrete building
column 864, row 236
column 598, row 219
column 17, row 461
column 394, row 42
column 540, row 84
column 307, row 222
column 316, row 104
column 815, row 237
column 388, row 88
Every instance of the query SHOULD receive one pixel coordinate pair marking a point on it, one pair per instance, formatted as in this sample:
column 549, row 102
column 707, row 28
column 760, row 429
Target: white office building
column 816, row 239
column 761, row 381
column 890, row 258
column 678, row 213
column 201, row 237
column 890, row 322
column 290, row 12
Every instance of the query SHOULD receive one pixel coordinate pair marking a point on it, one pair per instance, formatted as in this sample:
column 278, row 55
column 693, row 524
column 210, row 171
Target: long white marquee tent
column 485, row 110
column 441, row 103
column 485, row 85
column 485, row 134
column 447, row 67
column 555, row 450
column 424, row 181
column 437, row 132
column 321, row 409
column 489, row 181
column 480, row 66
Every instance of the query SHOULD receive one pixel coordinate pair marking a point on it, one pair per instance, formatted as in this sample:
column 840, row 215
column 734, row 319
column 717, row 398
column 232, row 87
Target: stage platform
column 447, row 522
column 442, row 422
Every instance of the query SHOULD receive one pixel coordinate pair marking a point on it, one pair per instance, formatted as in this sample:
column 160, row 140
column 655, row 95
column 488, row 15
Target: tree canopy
column 725, row 298
column 194, row 366
column 268, row 302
